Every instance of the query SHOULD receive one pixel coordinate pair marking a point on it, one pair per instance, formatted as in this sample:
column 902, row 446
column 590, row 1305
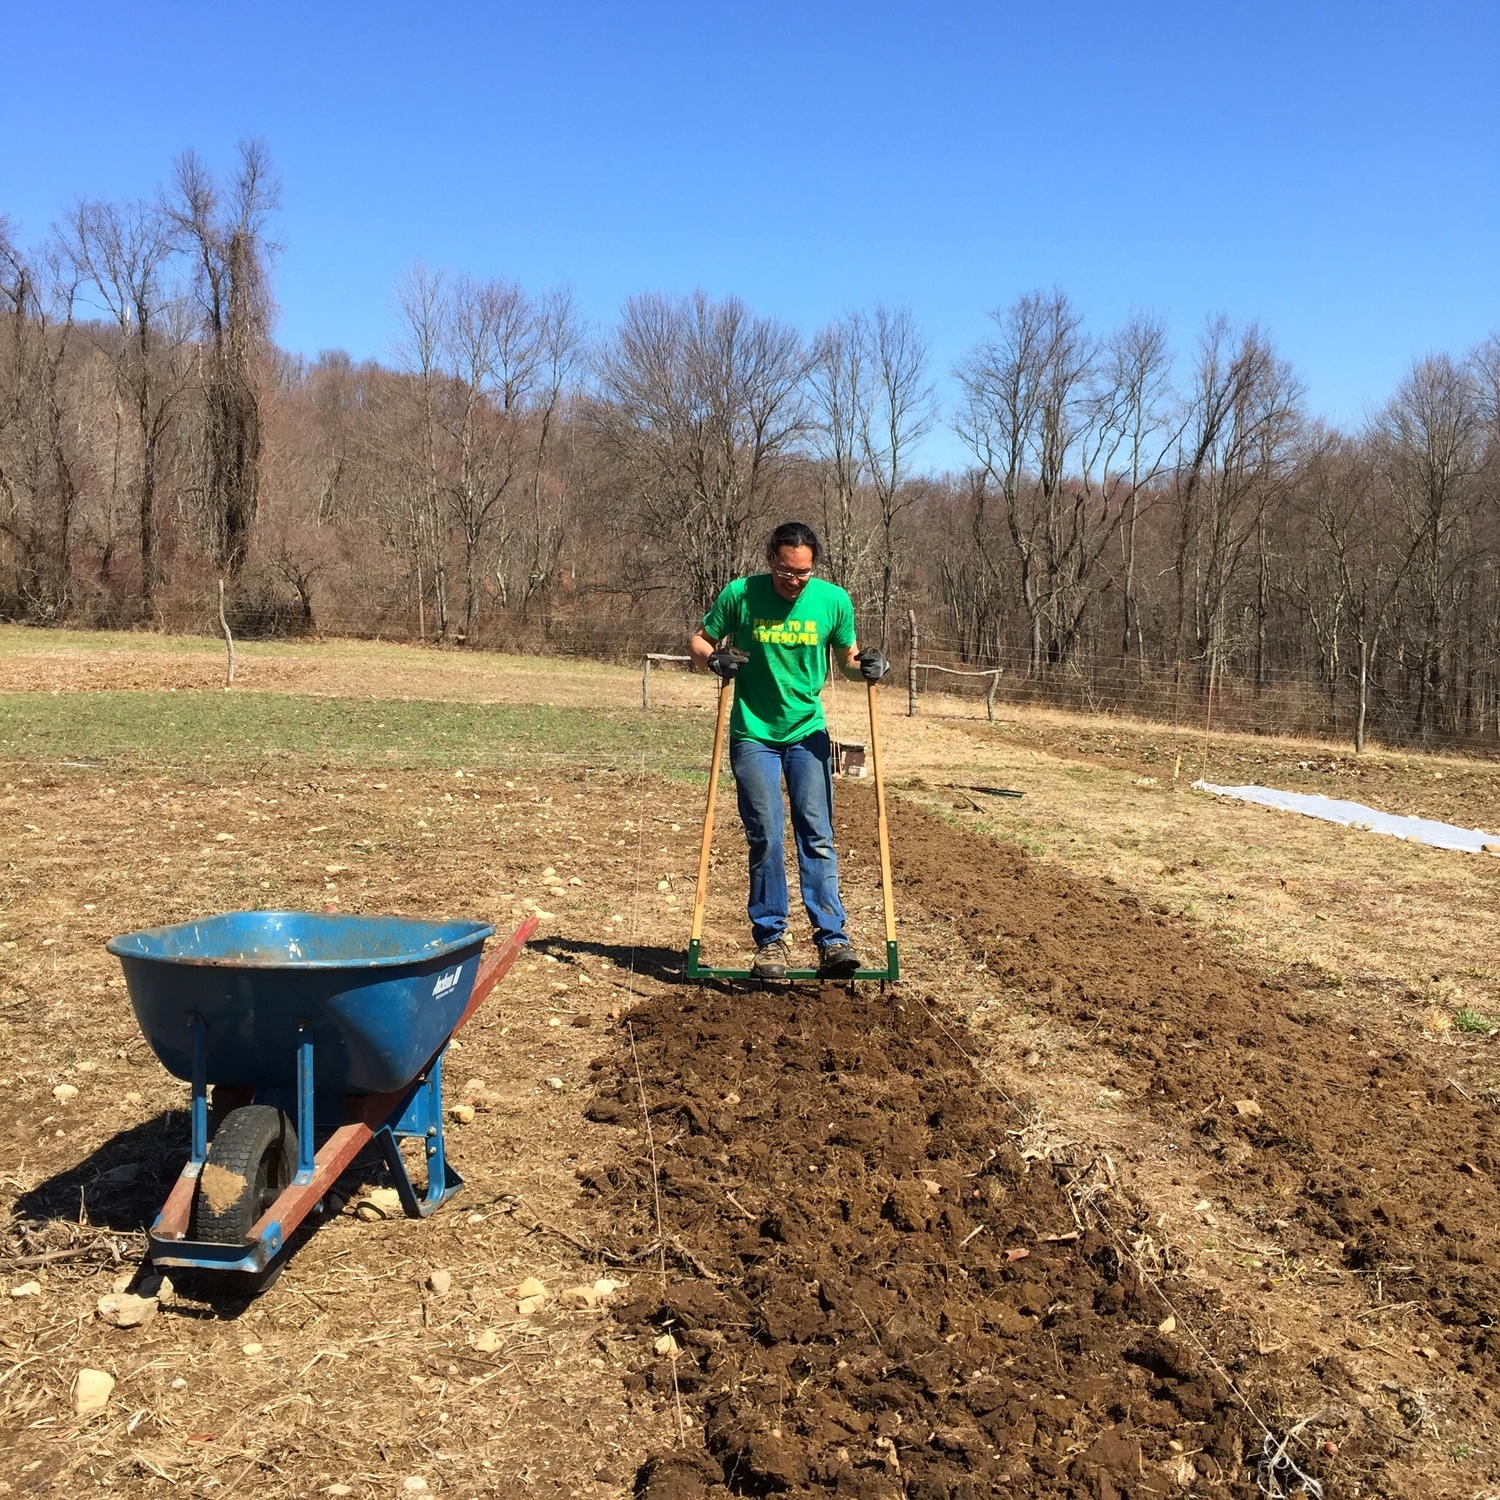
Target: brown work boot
column 770, row 961
column 837, row 961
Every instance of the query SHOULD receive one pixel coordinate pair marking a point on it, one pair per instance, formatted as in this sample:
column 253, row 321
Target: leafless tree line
column 1134, row 528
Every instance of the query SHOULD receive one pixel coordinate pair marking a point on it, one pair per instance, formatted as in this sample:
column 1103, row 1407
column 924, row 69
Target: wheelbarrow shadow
column 119, row 1186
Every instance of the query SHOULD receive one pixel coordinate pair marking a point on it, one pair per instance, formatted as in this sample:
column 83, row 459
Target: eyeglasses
column 798, row 575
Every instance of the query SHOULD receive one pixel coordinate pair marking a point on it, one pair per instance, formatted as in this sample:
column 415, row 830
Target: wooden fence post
column 228, row 639
column 989, row 697
column 911, row 664
column 646, row 682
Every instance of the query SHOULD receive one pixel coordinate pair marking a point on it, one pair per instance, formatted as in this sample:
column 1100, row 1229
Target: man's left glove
column 873, row 663
column 725, row 662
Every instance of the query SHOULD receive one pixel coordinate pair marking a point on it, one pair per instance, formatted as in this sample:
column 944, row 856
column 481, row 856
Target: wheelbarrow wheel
column 251, row 1158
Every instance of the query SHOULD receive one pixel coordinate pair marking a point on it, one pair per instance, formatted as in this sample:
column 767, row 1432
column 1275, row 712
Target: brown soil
column 1366, row 1178
column 890, row 1299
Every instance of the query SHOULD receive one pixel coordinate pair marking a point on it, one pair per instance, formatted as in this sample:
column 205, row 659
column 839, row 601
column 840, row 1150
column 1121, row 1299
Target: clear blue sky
column 1332, row 169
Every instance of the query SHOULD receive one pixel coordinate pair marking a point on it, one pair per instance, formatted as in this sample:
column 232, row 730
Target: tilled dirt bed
column 883, row 1296
column 876, row 1289
column 864, row 1254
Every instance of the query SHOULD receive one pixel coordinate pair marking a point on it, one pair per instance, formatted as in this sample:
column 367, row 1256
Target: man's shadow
column 665, row 964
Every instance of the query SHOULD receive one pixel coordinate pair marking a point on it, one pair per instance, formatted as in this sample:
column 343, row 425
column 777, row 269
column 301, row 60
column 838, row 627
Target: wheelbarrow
column 307, row 1025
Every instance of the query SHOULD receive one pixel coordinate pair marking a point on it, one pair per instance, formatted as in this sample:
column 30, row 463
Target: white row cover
column 1357, row 815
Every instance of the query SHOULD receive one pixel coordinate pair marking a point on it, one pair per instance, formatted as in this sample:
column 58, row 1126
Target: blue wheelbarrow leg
column 420, row 1117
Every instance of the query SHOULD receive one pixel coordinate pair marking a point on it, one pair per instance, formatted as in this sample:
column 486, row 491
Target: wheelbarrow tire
column 258, row 1145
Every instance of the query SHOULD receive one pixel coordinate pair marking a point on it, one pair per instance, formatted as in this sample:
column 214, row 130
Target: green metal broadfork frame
column 695, row 970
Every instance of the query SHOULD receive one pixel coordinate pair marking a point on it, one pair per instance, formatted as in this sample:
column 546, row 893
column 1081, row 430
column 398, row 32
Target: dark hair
column 793, row 534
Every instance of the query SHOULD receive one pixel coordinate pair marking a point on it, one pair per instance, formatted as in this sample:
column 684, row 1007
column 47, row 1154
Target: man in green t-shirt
column 771, row 633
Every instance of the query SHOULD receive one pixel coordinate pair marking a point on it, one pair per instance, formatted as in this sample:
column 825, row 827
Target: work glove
column 873, row 663
column 725, row 662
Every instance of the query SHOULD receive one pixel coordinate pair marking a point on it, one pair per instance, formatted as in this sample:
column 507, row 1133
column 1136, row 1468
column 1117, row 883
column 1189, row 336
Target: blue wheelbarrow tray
column 339, row 1021
column 380, row 994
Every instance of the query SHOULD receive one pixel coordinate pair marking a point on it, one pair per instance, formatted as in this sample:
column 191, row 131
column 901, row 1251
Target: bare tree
column 492, row 346
column 126, row 253
column 1360, row 566
column 560, row 340
column 1035, row 420
column 1235, row 461
column 1134, row 394
column 1430, row 440
column 839, row 399
column 423, row 303
column 38, row 486
column 702, row 401
column 226, row 232
column 897, row 416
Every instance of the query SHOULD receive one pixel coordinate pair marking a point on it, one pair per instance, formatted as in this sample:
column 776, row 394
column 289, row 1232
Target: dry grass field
column 1225, row 1078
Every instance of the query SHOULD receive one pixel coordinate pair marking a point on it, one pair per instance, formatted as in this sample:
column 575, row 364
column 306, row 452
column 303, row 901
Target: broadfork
column 695, row 970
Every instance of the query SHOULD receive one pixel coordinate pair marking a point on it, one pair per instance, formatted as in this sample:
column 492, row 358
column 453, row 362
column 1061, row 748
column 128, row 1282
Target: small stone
column 27, row 1289
column 531, row 1296
column 556, row 1084
column 414, row 1485
column 379, row 1203
column 154, row 1285
column 440, row 1283
column 179, row 1384
column 92, row 1392
column 591, row 1296
column 121, row 1283
column 64, row 1092
column 554, row 1021
column 125, row 1310
column 934, row 1188
column 474, row 1086
column 463, row 1113
column 666, row 1345
column 1167, row 1325
column 251, row 1350
column 1032, row 1059
column 131, row 1096
column 1247, row 1108
column 487, row 1341
column 339, row 1490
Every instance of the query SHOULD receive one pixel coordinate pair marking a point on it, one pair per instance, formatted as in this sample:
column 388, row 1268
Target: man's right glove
column 725, row 662
column 873, row 663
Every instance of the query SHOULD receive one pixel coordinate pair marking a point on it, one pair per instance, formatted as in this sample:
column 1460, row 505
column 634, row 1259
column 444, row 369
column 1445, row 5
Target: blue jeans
column 807, row 768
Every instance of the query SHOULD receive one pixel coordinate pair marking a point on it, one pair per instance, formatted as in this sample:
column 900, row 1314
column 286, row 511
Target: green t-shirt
column 776, row 691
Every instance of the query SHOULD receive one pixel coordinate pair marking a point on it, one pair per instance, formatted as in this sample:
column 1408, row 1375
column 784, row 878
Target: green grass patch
column 1471, row 1021
column 152, row 731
